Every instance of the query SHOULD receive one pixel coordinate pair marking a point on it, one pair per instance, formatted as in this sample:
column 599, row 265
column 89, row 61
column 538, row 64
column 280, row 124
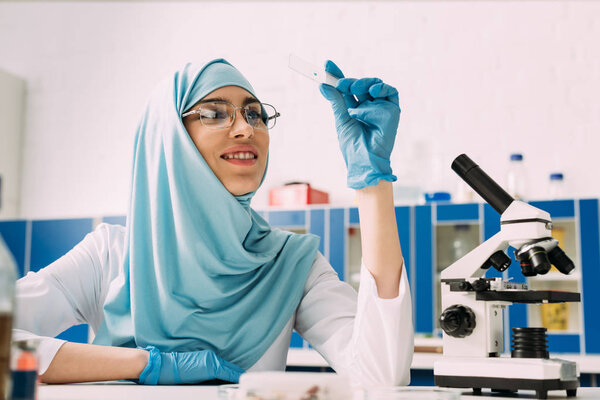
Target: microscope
column 472, row 316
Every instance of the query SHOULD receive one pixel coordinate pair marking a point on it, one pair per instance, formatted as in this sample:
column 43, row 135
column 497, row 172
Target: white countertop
column 130, row 391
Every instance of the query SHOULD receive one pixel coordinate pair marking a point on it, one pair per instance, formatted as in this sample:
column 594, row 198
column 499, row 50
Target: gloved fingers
column 228, row 371
column 361, row 114
column 360, row 88
column 338, row 103
column 343, row 86
column 229, row 374
column 384, row 91
column 333, row 69
column 370, row 113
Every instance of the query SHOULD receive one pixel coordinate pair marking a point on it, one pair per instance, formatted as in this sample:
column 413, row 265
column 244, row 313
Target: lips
column 245, row 155
column 236, row 151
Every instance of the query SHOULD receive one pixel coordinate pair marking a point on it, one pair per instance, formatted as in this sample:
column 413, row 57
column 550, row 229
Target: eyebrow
column 246, row 101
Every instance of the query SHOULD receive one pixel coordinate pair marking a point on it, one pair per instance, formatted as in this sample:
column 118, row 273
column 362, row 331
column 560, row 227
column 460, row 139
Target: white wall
column 482, row 77
column 12, row 103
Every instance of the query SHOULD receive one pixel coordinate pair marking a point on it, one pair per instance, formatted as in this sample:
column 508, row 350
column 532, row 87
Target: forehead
column 232, row 94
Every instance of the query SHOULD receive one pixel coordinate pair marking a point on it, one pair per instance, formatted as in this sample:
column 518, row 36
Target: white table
column 130, row 391
column 588, row 364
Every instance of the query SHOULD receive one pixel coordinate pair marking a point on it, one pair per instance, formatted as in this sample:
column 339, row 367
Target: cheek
column 266, row 152
column 204, row 144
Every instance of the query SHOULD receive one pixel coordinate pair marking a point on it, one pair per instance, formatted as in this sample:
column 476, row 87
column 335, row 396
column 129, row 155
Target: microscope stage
column 528, row 296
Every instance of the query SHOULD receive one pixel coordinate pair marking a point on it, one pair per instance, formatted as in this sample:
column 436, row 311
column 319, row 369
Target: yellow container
column 555, row 316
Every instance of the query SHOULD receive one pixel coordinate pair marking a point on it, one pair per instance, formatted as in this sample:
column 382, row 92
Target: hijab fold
column 201, row 270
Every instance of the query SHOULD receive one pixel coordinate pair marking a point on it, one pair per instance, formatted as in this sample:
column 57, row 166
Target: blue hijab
column 201, row 269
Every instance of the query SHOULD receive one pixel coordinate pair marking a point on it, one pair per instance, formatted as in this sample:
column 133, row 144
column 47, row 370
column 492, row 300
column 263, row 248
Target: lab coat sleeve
column 363, row 336
column 61, row 295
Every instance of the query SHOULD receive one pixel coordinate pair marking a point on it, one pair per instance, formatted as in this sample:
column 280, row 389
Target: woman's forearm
column 381, row 251
column 78, row 362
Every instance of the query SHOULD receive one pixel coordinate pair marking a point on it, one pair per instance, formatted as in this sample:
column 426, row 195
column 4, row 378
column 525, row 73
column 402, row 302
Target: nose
column 240, row 127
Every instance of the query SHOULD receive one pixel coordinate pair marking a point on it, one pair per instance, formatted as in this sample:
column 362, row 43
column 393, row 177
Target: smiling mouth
column 243, row 155
column 242, row 158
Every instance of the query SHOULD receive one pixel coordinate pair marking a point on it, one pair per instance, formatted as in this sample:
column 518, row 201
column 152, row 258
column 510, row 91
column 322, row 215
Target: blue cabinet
column 14, row 234
column 36, row 244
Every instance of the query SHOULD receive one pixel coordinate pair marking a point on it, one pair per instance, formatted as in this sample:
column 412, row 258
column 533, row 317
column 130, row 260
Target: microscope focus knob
column 458, row 321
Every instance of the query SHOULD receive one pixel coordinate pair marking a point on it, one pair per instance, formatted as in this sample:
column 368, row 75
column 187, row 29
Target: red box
column 297, row 194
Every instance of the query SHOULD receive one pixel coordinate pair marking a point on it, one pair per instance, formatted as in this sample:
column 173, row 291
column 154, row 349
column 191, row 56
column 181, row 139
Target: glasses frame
column 242, row 111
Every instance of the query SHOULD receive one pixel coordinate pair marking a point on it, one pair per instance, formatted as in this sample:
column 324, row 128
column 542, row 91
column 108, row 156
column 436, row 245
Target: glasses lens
column 216, row 114
column 268, row 115
column 254, row 116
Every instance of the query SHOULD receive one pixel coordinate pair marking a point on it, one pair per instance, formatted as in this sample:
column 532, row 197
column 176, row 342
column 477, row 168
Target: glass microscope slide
column 311, row 71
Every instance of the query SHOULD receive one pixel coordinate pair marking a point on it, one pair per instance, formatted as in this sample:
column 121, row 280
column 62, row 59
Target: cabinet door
column 424, row 275
column 457, row 231
column 14, row 235
column 590, row 272
column 50, row 239
column 443, row 234
column 563, row 320
column 353, row 241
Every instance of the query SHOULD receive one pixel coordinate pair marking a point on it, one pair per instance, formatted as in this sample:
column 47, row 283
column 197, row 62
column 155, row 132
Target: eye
column 214, row 112
column 254, row 112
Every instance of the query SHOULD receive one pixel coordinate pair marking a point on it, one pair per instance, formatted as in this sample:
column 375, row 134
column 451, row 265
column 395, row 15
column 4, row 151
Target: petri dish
column 411, row 393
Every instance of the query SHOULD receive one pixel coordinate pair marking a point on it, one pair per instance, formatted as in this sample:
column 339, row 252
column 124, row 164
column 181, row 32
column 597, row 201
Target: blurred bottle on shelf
column 516, row 182
column 464, row 193
column 24, row 370
column 556, row 186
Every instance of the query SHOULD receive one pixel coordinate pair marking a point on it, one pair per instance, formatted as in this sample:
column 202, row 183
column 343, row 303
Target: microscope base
column 508, row 374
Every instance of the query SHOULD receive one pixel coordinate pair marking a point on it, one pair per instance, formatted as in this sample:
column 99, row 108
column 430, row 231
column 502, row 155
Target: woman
column 197, row 286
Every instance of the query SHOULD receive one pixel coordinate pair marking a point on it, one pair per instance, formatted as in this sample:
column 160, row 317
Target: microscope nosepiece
column 534, row 261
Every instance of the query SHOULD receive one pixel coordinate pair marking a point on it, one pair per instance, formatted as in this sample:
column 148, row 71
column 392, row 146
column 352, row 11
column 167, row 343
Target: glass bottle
column 8, row 278
column 556, row 188
column 516, row 178
column 24, row 370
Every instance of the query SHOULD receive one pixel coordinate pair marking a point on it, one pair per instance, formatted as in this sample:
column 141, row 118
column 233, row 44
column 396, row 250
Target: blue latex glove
column 366, row 125
column 187, row 367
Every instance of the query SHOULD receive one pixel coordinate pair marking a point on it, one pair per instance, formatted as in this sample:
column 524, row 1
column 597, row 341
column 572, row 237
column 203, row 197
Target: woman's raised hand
column 366, row 118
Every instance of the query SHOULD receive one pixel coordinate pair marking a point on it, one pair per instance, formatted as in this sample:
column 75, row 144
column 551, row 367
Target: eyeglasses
column 221, row 114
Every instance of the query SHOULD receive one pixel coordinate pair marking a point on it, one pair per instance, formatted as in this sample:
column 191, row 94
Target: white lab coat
column 363, row 336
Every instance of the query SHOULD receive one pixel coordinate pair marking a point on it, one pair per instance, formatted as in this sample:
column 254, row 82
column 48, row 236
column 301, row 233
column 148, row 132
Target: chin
column 240, row 191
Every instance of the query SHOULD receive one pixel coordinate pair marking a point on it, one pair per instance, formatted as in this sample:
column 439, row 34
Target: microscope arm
column 469, row 266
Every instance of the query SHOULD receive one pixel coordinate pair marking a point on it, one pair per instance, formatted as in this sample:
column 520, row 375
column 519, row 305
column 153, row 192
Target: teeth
column 239, row 156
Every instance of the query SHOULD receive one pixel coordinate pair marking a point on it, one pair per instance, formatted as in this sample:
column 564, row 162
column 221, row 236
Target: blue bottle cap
column 516, row 157
column 558, row 176
column 437, row 196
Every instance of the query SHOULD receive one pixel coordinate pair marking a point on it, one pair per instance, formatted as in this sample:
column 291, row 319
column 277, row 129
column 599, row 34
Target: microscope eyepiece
column 485, row 186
